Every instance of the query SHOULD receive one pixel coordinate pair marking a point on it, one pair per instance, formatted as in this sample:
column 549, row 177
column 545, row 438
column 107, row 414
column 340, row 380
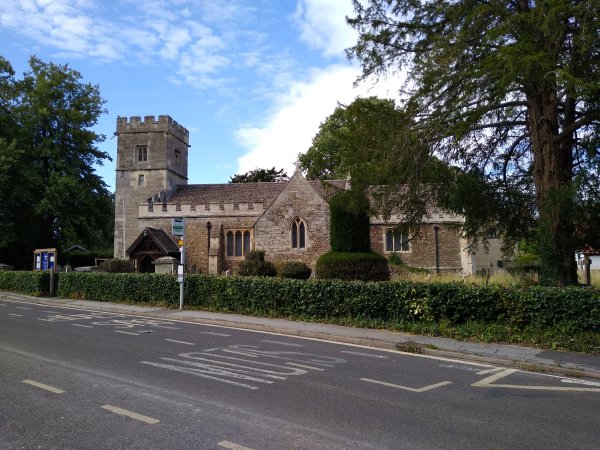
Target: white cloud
column 322, row 25
column 298, row 112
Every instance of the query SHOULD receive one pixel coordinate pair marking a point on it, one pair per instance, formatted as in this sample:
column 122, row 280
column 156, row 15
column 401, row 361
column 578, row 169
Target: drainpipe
column 436, row 228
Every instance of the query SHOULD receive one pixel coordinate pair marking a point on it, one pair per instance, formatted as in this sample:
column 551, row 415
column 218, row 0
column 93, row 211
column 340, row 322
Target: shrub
column 353, row 266
column 255, row 265
column 350, row 229
column 116, row 266
column 295, row 269
column 79, row 258
column 30, row 283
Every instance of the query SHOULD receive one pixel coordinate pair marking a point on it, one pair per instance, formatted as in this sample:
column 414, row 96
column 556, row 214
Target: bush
column 353, row 266
column 78, row 258
column 116, row 266
column 350, row 229
column 295, row 269
column 30, row 283
column 255, row 265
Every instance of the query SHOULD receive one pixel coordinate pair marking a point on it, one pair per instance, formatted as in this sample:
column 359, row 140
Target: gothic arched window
column 298, row 234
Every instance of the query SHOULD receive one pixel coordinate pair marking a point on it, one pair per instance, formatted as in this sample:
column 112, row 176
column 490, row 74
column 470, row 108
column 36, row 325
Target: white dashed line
column 180, row 342
column 80, row 325
column 126, row 332
column 131, row 414
column 46, row 387
column 212, row 333
column 369, row 355
column 288, row 344
column 15, row 315
column 21, row 307
column 232, row 446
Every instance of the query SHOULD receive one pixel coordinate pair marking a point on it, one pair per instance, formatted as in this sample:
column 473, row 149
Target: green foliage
column 507, row 91
column 394, row 304
column 395, row 258
column 120, row 287
column 263, row 175
column 352, row 266
column 116, row 266
column 79, row 258
column 30, row 283
column 295, row 269
column 51, row 196
column 350, row 225
column 255, row 265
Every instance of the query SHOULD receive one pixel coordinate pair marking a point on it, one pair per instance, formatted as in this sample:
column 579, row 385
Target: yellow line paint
column 130, row 414
column 46, row 387
column 487, row 382
column 406, row 388
column 232, row 446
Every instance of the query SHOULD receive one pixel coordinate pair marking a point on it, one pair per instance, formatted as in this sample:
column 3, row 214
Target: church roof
column 198, row 194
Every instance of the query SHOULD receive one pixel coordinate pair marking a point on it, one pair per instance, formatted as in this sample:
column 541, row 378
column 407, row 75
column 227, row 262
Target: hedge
column 27, row 282
column 333, row 299
column 368, row 266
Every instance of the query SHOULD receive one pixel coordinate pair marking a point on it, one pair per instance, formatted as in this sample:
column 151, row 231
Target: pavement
column 525, row 358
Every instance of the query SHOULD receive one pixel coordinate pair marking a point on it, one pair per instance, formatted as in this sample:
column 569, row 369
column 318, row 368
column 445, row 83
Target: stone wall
column 422, row 248
column 273, row 233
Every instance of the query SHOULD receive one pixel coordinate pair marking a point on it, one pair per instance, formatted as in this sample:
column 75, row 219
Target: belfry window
column 142, row 153
column 298, row 234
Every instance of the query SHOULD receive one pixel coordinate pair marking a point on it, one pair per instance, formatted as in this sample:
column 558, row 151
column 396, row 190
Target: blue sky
column 250, row 79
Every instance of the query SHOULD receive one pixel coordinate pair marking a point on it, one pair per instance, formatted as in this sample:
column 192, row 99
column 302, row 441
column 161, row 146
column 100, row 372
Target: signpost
column 178, row 229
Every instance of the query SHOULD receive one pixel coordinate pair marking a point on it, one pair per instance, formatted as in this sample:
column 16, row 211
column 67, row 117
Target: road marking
column 586, row 382
column 487, row 382
column 16, row 315
column 21, row 307
column 369, row 355
column 406, row 388
column 131, row 414
column 492, row 370
column 212, row 333
column 126, row 332
column 232, row 446
column 303, row 366
column 288, row 344
column 80, row 325
column 180, row 342
column 240, row 353
column 46, row 387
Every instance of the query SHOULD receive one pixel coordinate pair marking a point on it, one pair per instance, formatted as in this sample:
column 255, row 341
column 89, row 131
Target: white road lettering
column 180, row 342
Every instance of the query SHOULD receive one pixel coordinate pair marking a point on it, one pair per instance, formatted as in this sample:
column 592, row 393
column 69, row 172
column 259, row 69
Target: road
column 73, row 378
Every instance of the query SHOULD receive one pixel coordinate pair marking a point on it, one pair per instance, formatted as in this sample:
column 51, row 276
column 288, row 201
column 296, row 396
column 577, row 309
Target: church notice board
column 44, row 259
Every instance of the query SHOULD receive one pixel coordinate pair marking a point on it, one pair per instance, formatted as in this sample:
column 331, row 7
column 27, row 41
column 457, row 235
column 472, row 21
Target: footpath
column 526, row 358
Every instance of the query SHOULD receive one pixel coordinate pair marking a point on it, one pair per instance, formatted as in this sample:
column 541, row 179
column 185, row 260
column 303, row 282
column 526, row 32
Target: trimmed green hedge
column 27, row 282
column 368, row 266
column 336, row 299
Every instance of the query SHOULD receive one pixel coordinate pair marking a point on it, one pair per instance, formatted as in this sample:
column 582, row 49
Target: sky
column 250, row 79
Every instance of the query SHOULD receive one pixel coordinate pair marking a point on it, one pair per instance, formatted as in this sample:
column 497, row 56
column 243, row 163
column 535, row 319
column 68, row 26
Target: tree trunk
column 553, row 173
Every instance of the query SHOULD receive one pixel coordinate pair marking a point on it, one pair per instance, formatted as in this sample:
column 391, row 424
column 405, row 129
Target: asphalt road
column 80, row 379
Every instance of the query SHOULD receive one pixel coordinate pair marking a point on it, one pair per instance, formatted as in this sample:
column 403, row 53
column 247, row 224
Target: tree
column 264, row 175
column 509, row 90
column 51, row 196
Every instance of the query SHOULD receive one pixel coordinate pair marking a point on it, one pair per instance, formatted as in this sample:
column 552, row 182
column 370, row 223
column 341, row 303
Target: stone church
column 223, row 222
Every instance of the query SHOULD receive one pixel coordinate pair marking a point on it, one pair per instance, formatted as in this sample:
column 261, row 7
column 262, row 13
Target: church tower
column 152, row 160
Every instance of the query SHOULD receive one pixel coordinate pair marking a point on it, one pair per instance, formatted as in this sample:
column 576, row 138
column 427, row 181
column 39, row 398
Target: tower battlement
column 134, row 124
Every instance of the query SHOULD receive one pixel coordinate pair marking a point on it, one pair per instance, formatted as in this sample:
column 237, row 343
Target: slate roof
column 159, row 237
column 200, row 194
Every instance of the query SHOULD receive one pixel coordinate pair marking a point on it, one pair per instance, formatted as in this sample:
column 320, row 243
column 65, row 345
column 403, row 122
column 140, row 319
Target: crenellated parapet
column 150, row 124
column 158, row 209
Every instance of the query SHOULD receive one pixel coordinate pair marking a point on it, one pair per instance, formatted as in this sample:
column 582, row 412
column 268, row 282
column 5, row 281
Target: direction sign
column 177, row 226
